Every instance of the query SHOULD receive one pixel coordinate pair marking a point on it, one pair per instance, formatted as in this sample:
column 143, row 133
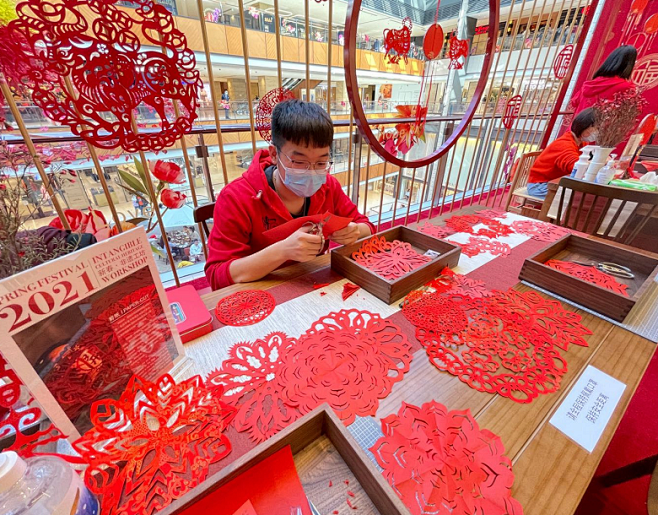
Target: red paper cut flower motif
column 349, row 359
column 172, row 199
column 540, row 231
column 264, row 110
column 398, row 41
column 441, row 462
column 390, row 260
column 166, row 434
column 111, row 74
column 250, row 376
column 245, row 307
column 477, row 245
column 467, row 223
column 436, row 230
column 167, row 171
column 590, row 274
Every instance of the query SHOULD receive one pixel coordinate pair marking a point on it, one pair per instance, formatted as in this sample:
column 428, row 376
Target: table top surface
column 551, row 471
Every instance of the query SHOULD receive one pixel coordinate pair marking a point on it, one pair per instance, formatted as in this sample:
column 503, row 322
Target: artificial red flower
column 172, row 199
column 167, row 171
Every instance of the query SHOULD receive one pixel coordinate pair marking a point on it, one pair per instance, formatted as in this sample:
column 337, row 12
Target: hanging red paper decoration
column 350, row 360
column 540, row 231
column 436, row 230
column 245, row 307
column 154, row 444
column 590, row 274
column 398, row 41
column 390, row 260
column 250, row 377
column 458, row 50
column 441, row 462
column 512, row 110
column 433, row 41
column 110, row 73
column 562, row 61
column 264, row 110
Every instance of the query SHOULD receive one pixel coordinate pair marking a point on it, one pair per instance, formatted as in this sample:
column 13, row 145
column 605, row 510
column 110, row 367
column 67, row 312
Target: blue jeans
column 538, row 189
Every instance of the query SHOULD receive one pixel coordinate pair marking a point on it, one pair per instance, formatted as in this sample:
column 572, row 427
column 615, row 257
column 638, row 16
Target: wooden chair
column 202, row 214
column 519, row 187
column 583, row 211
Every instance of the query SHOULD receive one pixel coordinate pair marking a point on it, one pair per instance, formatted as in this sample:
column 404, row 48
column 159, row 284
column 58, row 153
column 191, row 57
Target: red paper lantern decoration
column 265, row 108
column 512, row 110
column 562, row 61
column 98, row 47
column 433, row 41
column 398, row 40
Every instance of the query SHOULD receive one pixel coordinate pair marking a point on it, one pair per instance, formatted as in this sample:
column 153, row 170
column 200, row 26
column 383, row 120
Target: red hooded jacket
column 601, row 88
column 247, row 207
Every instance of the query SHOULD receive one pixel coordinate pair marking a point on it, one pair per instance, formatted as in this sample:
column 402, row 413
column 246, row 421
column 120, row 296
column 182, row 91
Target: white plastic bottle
column 607, row 173
column 42, row 486
column 582, row 164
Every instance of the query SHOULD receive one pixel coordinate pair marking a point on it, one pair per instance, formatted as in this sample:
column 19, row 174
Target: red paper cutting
column 477, row 245
column 433, row 41
column 436, row 231
column 154, row 444
column 590, row 274
column 245, row 307
column 458, row 50
column 540, row 231
column 512, row 110
column 111, row 74
column 441, row 462
column 390, row 260
column 264, row 110
column 562, row 61
column 349, row 289
column 398, row 41
column 350, row 360
column 467, row 223
column 251, row 377
column 492, row 213
column 331, row 224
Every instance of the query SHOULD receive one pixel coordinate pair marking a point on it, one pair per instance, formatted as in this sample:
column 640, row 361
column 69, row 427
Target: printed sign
column 79, row 327
column 586, row 411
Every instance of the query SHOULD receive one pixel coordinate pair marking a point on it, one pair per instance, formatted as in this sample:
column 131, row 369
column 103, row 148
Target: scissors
column 317, row 228
column 611, row 269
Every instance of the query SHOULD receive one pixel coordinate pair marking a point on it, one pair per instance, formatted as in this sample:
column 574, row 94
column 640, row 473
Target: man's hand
column 301, row 246
column 348, row 235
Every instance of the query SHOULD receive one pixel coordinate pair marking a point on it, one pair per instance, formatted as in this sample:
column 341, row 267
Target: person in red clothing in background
column 612, row 77
column 289, row 180
column 559, row 157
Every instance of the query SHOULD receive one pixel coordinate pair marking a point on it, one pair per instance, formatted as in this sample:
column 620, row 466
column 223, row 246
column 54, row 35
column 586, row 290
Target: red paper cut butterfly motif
column 590, row 274
column 245, row 307
column 458, row 50
column 111, row 74
column 398, row 41
column 264, row 110
column 154, row 444
column 441, row 462
column 390, row 260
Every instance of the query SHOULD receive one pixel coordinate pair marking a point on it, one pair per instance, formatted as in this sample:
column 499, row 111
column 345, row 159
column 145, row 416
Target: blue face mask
column 302, row 184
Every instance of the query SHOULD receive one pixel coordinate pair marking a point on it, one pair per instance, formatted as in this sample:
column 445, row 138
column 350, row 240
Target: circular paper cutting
column 245, row 308
column 433, row 41
column 351, row 28
column 265, row 108
column 98, row 47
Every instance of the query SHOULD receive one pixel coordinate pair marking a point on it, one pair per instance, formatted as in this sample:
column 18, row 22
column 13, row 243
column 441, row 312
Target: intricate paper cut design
column 512, row 110
column 590, row 274
column 166, row 434
column 477, row 245
column 250, row 377
column 264, row 110
column 110, row 72
column 467, row 223
column 245, row 307
column 390, row 260
column 540, row 231
column 562, row 62
column 441, row 462
column 492, row 213
column 349, row 289
column 458, row 50
column 436, row 230
column 433, row 41
column 504, row 343
column 349, row 359
column 398, row 41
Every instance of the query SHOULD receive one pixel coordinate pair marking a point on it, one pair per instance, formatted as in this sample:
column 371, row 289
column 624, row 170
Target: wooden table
column 551, row 472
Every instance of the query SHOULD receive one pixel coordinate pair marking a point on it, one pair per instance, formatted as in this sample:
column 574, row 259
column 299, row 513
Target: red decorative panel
column 101, row 52
column 398, row 41
column 390, row 260
column 590, row 274
column 264, row 110
column 512, row 110
column 562, row 61
column 245, row 307
column 441, row 462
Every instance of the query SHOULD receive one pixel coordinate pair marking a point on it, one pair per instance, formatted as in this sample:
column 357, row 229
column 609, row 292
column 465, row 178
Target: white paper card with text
column 586, row 411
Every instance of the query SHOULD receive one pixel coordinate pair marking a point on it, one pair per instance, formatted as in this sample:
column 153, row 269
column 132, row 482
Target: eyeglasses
column 318, row 166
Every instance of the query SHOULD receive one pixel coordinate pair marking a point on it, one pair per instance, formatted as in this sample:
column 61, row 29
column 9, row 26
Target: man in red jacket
column 289, row 180
column 559, row 158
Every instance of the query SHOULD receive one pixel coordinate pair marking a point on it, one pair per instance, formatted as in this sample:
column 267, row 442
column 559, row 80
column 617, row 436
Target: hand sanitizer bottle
column 581, row 165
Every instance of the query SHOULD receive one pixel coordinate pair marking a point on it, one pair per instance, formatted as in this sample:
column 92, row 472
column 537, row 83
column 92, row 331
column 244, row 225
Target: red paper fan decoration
column 398, row 41
column 433, row 41
column 250, row 376
column 390, row 260
column 436, row 231
column 562, row 62
column 111, row 73
column 590, row 274
column 264, row 110
column 245, row 307
column 441, row 462
column 540, row 231
column 154, row 444
column 512, row 110
column 350, row 360
column 458, row 50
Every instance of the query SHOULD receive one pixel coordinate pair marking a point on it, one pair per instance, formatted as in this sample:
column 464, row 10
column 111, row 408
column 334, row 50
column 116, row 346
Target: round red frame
column 351, row 24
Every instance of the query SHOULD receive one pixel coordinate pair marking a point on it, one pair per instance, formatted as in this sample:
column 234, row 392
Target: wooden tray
column 599, row 299
column 324, row 450
column 387, row 290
